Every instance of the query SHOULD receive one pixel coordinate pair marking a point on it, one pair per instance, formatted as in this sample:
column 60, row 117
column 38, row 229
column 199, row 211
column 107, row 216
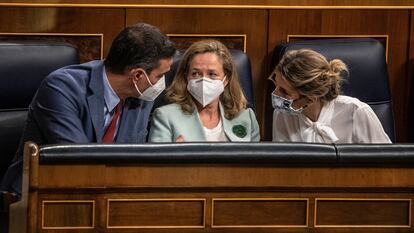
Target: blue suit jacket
column 69, row 108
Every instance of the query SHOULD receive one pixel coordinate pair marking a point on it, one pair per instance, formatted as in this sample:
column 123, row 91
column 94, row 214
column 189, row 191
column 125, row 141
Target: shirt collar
column 111, row 99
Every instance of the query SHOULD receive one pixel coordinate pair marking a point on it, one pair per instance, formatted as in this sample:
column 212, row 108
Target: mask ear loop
column 224, row 79
column 146, row 76
column 136, row 87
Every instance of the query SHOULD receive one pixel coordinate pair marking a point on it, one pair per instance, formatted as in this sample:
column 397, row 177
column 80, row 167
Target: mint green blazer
column 169, row 121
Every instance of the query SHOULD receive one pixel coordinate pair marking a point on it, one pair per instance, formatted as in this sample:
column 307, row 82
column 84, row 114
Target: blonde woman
column 207, row 102
column 309, row 107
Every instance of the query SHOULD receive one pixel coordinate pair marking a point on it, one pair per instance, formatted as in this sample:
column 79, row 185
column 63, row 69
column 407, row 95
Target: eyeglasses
column 272, row 77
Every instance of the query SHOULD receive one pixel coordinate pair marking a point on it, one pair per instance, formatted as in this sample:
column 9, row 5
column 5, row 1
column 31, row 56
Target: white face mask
column 205, row 90
column 284, row 105
column 153, row 91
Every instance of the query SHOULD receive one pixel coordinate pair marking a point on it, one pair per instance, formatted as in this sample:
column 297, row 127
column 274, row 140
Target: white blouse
column 342, row 120
column 215, row 134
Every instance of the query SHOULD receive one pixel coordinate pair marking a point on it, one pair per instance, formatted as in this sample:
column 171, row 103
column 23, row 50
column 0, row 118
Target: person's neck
column 210, row 114
column 118, row 84
column 313, row 110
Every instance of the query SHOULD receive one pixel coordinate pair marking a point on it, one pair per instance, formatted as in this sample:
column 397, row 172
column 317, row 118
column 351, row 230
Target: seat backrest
column 368, row 75
column 23, row 65
column 244, row 72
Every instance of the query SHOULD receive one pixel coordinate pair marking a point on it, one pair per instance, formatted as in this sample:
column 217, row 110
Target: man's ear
column 136, row 73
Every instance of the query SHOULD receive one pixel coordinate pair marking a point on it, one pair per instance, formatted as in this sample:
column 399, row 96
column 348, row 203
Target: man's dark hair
column 141, row 45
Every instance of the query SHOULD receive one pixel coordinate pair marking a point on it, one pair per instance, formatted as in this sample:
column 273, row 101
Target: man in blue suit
column 103, row 101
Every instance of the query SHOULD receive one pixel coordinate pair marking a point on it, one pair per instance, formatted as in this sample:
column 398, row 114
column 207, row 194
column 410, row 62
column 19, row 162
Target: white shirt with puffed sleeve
column 342, row 120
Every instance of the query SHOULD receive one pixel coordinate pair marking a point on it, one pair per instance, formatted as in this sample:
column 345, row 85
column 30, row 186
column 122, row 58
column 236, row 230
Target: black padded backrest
column 267, row 153
column 277, row 154
column 244, row 72
column 23, row 65
column 376, row 154
column 368, row 75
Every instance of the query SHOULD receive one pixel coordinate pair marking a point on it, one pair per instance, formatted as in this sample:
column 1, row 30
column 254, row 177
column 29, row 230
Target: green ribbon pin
column 239, row 131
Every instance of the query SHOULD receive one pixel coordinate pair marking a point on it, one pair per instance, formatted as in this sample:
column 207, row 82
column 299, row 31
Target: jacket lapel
column 228, row 128
column 197, row 132
column 133, row 119
column 96, row 101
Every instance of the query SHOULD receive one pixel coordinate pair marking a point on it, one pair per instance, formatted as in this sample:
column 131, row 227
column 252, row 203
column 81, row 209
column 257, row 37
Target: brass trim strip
column 68, row 201
column 259, row 199
column 151, row 200
column 204, row 6
column 363, row 199
column 347, row 36
column 101, row 35
column 244, row 36
column 34, row 150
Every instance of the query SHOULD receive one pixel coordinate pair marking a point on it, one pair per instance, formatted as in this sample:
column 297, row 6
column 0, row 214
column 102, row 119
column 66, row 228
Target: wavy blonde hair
column 311, row 74
column 232, row 99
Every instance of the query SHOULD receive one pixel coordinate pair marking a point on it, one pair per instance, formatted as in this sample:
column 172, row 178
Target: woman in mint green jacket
column 207, row 102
